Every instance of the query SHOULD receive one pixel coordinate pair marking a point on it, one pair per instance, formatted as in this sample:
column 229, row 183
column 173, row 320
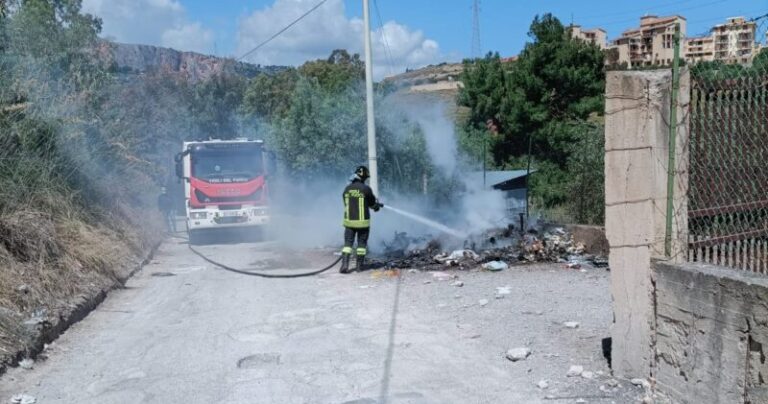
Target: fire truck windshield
column 226, row 166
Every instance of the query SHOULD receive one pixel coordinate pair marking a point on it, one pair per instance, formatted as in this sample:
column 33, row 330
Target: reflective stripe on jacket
column 358, row 199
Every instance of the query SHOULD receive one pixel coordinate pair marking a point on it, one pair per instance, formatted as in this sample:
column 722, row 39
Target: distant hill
column 430, row 85
column 192, row 66
column 442, row 77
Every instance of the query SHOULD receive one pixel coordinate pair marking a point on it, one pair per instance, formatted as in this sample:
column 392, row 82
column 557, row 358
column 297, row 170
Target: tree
column 557, row 82
column 484, row 88
column 760, row 62
column 269, row 96
column 214, row 105
column 337, row 72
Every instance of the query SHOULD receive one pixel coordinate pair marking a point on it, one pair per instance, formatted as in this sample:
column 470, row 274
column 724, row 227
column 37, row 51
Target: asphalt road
column 183, row 331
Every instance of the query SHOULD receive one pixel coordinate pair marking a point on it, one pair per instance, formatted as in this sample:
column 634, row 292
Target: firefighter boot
column 360, row 261
column 344, row 263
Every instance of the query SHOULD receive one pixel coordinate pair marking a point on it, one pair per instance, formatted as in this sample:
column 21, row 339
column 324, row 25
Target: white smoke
column 477, row 209
column 439, row 135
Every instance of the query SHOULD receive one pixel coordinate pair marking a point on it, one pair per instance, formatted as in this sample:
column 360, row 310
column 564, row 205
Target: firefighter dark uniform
column 358, row 200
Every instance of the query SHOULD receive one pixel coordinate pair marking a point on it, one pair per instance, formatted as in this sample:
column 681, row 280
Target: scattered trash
column 573, row 265
column 495, row 266
column 518, row 354
column 482, row 302
column 640, row 382
column 542, row 384
column 575, row 370
column 571, row 324
column 587, row 374
column 27, row 363
column 581, row 401
column 23, row 399
column 442, row 276
column 495, row 249
column 458, row 284
column 503, row 290
column 599, row 262
column 457, row 257
column 612, row 382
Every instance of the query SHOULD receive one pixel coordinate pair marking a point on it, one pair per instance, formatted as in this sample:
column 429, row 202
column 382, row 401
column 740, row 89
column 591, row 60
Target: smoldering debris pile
column 492, row 250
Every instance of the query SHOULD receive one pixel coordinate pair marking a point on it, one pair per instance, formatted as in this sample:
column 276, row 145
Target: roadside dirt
column 207, row 335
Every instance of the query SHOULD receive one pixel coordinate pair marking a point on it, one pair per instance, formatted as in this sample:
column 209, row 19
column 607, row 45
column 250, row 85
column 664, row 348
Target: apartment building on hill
column 699, row 49
column 652, row 43
column 596, row 36
column 735, row 40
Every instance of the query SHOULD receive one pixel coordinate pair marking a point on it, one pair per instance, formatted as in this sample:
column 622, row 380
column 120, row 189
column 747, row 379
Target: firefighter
column 165, row 206
column 358, row 199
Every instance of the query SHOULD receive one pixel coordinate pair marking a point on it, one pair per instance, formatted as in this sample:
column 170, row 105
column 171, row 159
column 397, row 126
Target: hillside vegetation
column 83, row 151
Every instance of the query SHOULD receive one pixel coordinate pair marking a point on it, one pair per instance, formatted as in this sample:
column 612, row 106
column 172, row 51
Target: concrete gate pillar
column 637, row 130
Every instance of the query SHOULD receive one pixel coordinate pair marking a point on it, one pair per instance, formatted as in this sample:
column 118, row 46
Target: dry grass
column 50, row 264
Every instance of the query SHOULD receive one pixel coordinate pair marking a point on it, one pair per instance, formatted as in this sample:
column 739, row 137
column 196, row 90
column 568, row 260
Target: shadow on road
column 384, row 394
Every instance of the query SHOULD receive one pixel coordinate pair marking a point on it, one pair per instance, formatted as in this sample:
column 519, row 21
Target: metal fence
column 728, row 172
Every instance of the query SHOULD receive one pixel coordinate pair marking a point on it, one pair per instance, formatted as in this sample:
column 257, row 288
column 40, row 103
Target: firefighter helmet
column 362, row 173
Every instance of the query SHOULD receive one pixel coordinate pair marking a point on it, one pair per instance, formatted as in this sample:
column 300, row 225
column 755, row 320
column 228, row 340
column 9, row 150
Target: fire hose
column 261, row 274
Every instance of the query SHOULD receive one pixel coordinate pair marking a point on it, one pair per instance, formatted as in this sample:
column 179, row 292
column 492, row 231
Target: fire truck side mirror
column 179, row 160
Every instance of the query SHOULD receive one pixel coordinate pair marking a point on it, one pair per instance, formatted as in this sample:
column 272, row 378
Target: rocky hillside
column 132, row 58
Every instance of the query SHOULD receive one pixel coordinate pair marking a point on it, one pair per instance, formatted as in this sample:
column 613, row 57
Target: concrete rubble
column 518, row 354
column 575, row 370
column 23, row 399
column 495, row 266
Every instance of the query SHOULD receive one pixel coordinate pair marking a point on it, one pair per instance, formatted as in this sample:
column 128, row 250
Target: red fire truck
column 225, row 184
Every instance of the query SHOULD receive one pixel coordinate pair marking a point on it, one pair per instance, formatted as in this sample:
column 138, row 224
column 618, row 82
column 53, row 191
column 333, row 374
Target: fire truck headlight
column 198, row 215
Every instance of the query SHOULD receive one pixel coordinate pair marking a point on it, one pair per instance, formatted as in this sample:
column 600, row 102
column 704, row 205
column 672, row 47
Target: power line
column 387, row 50
column 635, row 11
column 283, row 30
column 627, row 20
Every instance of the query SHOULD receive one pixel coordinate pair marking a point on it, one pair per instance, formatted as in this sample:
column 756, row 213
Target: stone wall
column 711, row 334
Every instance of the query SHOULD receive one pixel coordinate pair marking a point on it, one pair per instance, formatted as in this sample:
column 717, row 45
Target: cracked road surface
column 183, row 331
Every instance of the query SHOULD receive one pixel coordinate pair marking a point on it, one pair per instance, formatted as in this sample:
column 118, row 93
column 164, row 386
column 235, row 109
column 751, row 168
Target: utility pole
column 372, row 164
column 477, row 50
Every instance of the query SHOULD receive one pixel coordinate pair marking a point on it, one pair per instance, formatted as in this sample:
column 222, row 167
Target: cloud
column 151, row 22
column 326, row 29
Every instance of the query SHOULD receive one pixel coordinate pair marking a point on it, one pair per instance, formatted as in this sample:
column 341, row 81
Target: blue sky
column 417, row 32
